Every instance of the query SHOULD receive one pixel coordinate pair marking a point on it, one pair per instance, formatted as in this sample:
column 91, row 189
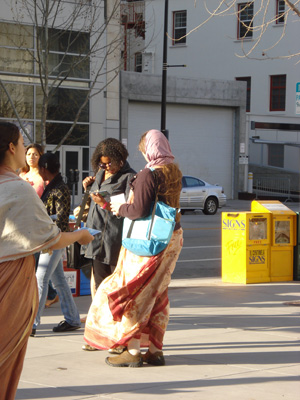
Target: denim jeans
column 51, row 291
column 52, row 267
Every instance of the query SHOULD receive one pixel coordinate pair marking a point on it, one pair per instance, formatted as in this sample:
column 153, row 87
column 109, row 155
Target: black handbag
column 75, row 260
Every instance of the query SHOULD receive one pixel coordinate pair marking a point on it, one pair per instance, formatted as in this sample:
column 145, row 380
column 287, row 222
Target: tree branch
column 15, row 111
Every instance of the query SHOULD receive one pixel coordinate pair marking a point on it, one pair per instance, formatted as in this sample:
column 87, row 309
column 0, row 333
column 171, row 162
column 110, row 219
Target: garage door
column 201, row 139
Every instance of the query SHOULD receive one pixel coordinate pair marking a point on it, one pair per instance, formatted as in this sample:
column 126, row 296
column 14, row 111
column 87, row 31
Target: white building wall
column 292, row 155
column 213, row 52
column 209, row 133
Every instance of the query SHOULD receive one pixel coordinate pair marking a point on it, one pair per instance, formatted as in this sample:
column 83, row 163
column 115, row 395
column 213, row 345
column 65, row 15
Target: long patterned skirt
column 133, row 301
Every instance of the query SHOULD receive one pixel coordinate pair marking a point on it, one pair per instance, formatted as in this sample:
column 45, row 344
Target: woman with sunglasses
column 112, row 175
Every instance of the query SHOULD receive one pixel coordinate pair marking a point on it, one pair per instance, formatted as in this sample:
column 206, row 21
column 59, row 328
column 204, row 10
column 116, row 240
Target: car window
column 192, row 182
column 183, row 184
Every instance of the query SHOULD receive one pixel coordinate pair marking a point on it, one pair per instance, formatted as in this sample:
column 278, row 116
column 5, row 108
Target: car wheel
column 211, row 206
column 182, row 212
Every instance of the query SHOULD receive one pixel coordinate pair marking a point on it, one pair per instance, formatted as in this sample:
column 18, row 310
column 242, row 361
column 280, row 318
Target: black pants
column 101, row 271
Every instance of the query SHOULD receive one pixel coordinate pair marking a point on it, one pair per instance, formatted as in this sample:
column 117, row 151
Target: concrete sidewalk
column 224, row 341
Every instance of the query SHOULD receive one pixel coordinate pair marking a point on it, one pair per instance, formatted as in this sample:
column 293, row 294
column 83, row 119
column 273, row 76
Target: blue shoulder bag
column 150, row 235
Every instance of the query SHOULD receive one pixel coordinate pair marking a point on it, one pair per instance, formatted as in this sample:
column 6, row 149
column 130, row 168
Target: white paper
column 118, row 198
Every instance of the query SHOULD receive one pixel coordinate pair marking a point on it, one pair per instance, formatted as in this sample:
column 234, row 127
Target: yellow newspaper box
column 283, row 238
column 246, row 238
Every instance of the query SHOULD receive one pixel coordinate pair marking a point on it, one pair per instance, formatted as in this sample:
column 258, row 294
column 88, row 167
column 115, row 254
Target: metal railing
column 272, row 187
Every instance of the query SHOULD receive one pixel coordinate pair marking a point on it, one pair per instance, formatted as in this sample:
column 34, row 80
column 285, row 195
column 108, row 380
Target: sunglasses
column 104, row 165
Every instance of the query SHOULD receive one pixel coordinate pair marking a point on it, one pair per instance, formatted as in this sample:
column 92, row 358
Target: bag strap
column 154, row 205
column 152, row 217
column 82, row 205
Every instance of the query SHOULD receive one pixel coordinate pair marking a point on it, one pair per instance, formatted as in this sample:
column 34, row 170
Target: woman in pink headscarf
column 131, row 307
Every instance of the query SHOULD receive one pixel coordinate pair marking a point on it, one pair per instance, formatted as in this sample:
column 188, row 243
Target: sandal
column 117, row 350
column 50, row 302
column 87, row 347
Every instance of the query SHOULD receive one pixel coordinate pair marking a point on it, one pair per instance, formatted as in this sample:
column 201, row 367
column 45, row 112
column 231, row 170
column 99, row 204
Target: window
column 280, row 11
column 179, row 27
column 14, row 39
column 138, row 67
column 139, row 25
column 189, row 181
column 60, row 43
column 277, row 92
column 64, row 104
column 276, row 155
column 22, row 96
column 68, row 58
column 245, row 20
column 248, row 80
column 79, row 136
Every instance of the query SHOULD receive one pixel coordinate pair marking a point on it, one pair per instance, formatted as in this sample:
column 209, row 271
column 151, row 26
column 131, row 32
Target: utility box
column 246, row 238
column 85, row 281
column 73, row 278
column 283, row 238
column 297, row 250
column 77, row 281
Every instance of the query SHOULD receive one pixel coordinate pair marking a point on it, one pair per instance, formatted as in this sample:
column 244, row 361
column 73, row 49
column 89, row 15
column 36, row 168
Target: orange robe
column 19, row 302
column 25, row 228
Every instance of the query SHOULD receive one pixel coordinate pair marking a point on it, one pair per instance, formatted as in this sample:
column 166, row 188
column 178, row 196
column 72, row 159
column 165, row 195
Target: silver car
column 198, row 194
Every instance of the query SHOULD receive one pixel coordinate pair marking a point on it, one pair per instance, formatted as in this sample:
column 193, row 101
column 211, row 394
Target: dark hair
column 111, row 148
column 39, row 149
column 50, row 161
column 9, row 133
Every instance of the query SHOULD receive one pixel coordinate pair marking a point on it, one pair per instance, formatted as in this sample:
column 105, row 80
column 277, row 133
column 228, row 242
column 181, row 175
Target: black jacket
column 57, row 200
column 106, row 245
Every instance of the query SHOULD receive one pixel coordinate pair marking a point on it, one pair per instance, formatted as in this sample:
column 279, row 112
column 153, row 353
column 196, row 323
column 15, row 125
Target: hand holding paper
column 116, row 202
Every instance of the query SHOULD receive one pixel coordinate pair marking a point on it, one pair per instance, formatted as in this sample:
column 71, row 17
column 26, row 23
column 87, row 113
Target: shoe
column 33, row 332
column 64, row 326
column 50, row 302
column 156, row 358
column 87, row 347
column 125, row 360
column 117, row 350
column 83, row 319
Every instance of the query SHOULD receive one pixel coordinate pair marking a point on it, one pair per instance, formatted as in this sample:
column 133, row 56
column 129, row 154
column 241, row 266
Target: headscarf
column 157, row 149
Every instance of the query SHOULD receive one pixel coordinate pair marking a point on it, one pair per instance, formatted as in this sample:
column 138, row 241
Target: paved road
column 201, row 253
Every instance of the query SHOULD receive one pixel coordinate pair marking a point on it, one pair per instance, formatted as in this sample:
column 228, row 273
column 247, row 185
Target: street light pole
column 164, row 73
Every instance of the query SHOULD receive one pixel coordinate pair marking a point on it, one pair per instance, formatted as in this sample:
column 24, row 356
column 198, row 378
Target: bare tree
column 71, row 45
column 263, row 17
